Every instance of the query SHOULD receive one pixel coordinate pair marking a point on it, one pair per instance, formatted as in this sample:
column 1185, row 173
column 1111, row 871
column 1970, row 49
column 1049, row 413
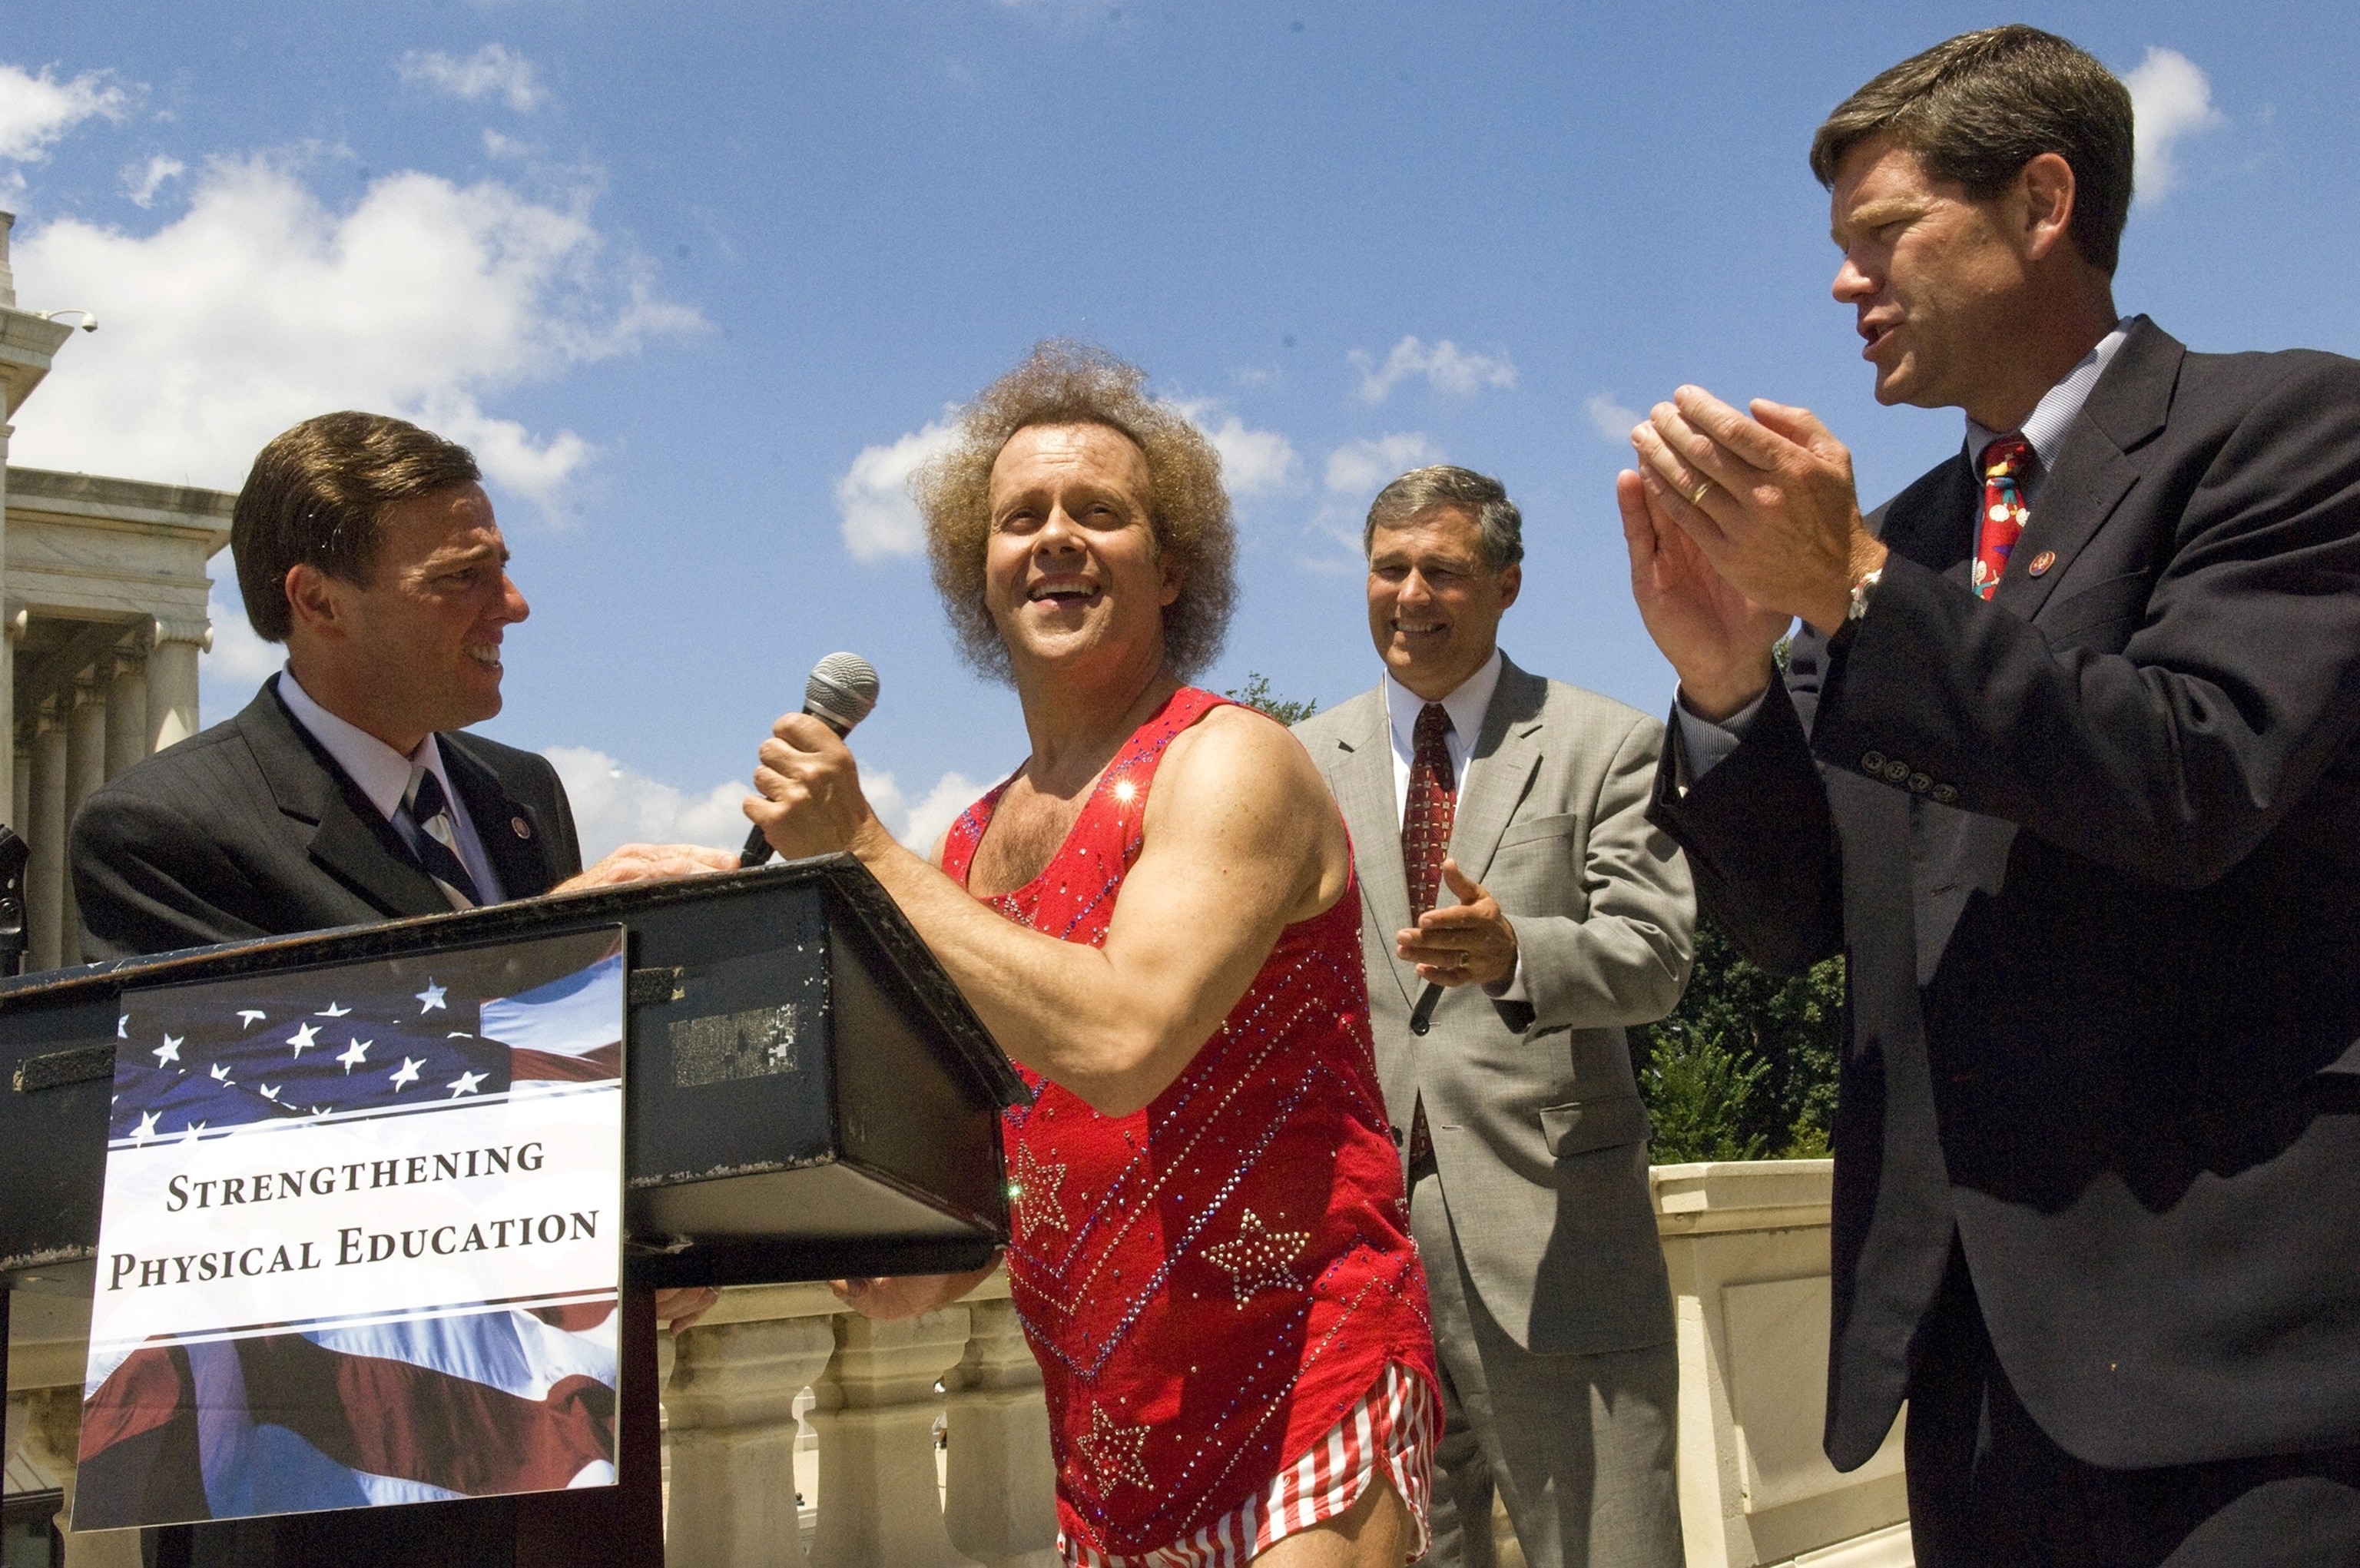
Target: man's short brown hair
column 1499, row 526
column 1187, row 509
column 1977, row 108
column 316, row 496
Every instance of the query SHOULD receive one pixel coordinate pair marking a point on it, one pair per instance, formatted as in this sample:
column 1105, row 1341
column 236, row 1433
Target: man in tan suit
column 1517, row 805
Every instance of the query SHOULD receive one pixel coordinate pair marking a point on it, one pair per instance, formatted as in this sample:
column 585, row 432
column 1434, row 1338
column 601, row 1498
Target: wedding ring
column 1703, row 487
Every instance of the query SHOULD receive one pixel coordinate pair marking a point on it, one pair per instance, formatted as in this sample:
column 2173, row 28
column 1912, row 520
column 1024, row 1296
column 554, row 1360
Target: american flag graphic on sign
column 361, row 1240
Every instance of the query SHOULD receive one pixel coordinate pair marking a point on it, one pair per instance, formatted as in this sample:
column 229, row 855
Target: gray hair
column 1497, row 521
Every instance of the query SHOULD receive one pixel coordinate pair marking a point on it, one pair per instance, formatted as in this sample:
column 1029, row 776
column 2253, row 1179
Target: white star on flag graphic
column 250, row 1017
column 220, row 1073
column 463, row 1084
column 356, row 1055
column 432, row 997
column 170, row 1050
column 332, row 1011
column 302, row 1037
column 147, row 1128
column 406, row 1074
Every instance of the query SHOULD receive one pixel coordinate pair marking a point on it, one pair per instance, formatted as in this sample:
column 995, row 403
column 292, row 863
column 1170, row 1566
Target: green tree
column 1256, row 693
column 1745, row 1067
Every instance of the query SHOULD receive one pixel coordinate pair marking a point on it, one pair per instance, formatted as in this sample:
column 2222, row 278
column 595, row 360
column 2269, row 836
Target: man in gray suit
column 1518, row 805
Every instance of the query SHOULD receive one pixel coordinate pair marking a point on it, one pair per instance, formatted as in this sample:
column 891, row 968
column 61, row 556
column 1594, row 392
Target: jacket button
column 519, row 826
column 1944, row 794
column 1871, row 762
column 1919, row 783
column 1896, row 770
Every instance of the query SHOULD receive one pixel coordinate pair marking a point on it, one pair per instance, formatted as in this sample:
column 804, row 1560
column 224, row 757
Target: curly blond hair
column 1077, row 383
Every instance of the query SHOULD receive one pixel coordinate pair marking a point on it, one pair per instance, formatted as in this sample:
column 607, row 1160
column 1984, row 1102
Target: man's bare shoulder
column 1249, row 758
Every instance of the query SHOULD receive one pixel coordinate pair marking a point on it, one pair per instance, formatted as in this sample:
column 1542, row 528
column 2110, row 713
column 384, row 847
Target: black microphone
column 842, row 691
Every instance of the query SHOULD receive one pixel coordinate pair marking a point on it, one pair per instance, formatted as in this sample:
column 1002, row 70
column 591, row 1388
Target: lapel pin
column 2042, row 561
column 520, row 828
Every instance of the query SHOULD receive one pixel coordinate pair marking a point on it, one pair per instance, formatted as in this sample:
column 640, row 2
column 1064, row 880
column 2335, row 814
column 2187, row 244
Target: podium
column 806, row 1094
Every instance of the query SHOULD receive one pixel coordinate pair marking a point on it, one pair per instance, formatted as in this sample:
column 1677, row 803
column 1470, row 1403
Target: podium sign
column 805, row 1094
column 362, row 1236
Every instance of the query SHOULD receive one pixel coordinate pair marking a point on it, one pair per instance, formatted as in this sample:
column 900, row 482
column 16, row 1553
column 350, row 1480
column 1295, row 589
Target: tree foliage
column 1256, row 693
column 1745, row 1067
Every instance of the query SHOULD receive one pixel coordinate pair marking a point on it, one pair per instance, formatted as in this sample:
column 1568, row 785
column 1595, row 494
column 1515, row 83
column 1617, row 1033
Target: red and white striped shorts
column 1391, row 1432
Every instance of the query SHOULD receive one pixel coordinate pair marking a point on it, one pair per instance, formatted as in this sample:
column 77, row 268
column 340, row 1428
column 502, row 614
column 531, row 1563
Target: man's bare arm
column 1241, row 843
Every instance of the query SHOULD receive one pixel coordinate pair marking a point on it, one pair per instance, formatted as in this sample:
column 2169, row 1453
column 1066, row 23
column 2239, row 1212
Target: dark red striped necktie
column 1433, row 801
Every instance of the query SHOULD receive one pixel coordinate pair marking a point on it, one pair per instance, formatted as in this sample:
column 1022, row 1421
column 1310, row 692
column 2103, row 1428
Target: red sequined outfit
column 1212, row 1283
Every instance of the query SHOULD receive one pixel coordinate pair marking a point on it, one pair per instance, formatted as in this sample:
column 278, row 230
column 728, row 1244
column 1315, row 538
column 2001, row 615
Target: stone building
column 103, row 606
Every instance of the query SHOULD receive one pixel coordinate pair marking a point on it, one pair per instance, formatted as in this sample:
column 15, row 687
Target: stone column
column 20, row 801
column 55, row 1438
column 127, row 710
column 45, row 830
column 879, row 1498
column 85, row 770
column 12, row 620
column 172, row 680
column 1000, row 1503
column 730, row 1405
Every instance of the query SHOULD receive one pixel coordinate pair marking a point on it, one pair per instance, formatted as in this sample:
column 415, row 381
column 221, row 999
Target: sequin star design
column 1260, row 1258
column 1037, row 1182
column 1114, row 1451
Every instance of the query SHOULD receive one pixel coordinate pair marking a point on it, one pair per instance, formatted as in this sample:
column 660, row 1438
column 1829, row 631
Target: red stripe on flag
column 590, row 1067
column 149, row 1390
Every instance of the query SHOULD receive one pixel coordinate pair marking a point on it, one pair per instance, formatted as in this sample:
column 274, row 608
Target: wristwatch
column 1860, row 592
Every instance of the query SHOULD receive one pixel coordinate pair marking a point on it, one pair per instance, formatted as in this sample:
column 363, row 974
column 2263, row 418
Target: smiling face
column 1434, row 604
column 1934, row 277
column 417, row 649
column 1072, row 571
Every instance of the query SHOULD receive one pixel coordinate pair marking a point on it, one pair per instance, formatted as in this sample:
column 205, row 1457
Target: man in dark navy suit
column 345, row 792
column 2066, row 761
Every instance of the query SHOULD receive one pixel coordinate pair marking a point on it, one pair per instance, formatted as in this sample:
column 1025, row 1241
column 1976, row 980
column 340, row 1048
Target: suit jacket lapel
column 348, row 837
column 2126, row 407
column 1363, row 775
column 1507, row 750
column 519, row 858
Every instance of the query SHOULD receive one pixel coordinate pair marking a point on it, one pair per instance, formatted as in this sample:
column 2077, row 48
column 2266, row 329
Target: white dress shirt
column 385, row 776
column 1705, row 743
column 1467, row 704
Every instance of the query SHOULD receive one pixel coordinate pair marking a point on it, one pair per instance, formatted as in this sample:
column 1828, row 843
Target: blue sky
column 696, row 282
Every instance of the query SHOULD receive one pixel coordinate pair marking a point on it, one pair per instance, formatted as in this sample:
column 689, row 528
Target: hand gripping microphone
column 842, row 691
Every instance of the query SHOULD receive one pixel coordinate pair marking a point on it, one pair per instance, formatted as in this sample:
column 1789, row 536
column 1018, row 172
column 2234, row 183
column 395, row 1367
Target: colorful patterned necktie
column 1433, row 800
column 2001, row 523
column 436, row 841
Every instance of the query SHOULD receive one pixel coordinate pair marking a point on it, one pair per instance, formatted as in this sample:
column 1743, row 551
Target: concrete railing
column 798, row 1435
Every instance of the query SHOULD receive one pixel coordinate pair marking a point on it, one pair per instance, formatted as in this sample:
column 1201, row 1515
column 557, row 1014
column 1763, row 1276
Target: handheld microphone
column 842, row 691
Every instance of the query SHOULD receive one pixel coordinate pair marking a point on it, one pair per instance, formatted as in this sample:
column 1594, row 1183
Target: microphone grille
column 842, row 685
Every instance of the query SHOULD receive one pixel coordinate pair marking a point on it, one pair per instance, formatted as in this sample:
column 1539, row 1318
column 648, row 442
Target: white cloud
column 1447, row 368
column 614, row 805
column 261, row 305
column 238, row 658
column 37, row 110
column 1363, row 468
column 1610, row 419
column 492, row 72
column 880, row 521
column 2170, row 99
column 920, row 824
column 1253, row 462
column 142, row 180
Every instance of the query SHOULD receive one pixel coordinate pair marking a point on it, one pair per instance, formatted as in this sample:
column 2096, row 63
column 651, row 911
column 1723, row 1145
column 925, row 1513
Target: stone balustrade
column 798, row 1435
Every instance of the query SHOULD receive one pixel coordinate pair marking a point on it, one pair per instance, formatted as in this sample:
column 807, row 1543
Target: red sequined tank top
column 1211, row 1283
